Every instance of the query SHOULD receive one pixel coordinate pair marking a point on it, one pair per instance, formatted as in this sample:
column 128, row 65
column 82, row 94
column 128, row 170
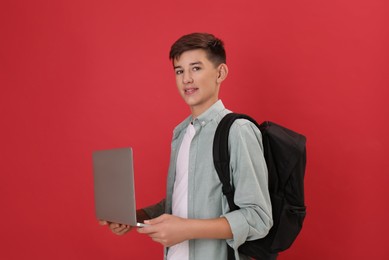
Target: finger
column 142, row 230
column 121, row 230
column 155, row 220
column 117, row 230
column 147, row 230
column 103, row 222
column 113, row 225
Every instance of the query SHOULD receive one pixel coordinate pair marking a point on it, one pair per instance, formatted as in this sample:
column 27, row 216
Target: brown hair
column 213, row 46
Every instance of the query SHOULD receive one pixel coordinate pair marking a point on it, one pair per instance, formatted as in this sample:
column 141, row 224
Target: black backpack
column 285, row 155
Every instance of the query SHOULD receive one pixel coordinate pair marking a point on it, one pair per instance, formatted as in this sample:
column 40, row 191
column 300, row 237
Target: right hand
column 116, row 228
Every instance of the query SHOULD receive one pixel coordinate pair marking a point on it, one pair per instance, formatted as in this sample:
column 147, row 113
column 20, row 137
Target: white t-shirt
column 180, row 193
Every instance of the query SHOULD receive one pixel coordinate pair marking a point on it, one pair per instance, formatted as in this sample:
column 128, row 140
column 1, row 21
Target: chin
column 190, row 101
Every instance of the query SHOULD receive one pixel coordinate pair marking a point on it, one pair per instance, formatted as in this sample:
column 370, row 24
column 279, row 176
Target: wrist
column 189, row 228
column 141, row 215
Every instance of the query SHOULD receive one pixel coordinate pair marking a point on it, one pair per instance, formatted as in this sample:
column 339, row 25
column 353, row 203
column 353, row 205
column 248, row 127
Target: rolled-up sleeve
column 155, row 210
column 250, row 179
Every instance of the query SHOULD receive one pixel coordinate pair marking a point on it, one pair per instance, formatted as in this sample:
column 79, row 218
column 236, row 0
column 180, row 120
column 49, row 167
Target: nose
column 187, row 78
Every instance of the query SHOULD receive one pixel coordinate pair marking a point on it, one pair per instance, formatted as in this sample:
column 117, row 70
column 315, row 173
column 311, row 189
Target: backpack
column 285, row 156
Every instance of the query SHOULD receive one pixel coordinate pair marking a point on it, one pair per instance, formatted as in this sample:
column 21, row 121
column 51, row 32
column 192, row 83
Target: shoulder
column 244, row 132
column 244, row 127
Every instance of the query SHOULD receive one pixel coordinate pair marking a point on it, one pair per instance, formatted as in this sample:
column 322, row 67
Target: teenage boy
column 194, row 221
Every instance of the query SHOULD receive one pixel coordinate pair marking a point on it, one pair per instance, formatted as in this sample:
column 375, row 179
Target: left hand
column 167, row 230
column 116, row 228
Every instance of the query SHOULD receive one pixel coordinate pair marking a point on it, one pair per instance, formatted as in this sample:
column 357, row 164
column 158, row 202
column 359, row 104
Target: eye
column 196, row 68
column 179, row 72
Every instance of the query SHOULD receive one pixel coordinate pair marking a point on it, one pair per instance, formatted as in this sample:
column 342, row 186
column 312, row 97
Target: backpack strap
column 221, row 155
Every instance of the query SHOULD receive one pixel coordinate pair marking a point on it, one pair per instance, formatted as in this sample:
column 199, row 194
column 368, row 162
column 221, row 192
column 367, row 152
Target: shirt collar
column 203, row 119
column 210, row 113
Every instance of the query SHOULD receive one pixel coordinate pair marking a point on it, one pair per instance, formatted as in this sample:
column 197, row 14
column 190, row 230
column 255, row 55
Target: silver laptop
column 114, row 186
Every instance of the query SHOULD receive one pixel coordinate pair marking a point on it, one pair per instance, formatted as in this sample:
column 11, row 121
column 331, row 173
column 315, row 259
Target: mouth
column 190, row 91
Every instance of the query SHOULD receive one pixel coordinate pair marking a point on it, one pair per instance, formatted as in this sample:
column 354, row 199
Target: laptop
column 114, row 189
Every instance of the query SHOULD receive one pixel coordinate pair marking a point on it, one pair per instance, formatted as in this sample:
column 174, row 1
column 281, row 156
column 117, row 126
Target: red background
column 77, row 76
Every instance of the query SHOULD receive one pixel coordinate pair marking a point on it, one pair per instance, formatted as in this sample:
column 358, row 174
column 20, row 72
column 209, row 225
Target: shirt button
column 203, row 123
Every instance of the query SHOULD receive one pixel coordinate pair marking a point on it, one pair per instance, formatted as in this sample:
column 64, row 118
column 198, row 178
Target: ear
column 222, row 73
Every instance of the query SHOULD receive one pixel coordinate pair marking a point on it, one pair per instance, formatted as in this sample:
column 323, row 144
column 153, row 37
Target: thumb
column 155, row 220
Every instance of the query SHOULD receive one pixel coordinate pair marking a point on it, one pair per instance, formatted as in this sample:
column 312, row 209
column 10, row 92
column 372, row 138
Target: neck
column 198, row 110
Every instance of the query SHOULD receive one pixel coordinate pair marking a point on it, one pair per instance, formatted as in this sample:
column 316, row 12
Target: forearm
column 170, row 230
column 217, row 228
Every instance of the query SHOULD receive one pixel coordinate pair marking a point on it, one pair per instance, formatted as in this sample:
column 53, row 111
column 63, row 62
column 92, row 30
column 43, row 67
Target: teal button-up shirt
column 205, row 198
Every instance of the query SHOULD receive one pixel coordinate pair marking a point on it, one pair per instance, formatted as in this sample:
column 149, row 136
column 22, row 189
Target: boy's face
column 198, row 80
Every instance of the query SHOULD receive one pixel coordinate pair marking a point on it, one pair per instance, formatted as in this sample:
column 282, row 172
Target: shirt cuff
column 239, row 228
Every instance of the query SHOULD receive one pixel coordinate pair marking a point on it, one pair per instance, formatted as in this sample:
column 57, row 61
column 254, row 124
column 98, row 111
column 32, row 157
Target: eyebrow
column 196, row 63
column 190, row 64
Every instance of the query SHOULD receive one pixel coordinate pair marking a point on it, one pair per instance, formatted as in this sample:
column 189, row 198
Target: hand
column 116, row 228
column 167, row 230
